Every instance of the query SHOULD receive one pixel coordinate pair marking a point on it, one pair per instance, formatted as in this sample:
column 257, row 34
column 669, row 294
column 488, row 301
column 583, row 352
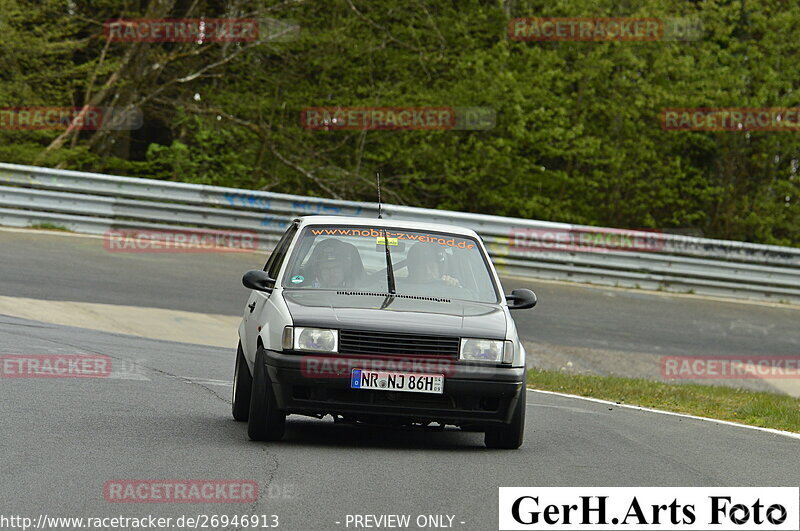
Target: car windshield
column 427, row 264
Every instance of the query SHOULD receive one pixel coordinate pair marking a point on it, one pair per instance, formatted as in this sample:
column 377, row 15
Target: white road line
column 69, row 234
column 672, row 413
column 127, row 376
column 207, row 381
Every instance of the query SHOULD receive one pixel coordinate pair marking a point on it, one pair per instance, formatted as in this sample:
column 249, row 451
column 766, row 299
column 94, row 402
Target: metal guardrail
column 96, row 203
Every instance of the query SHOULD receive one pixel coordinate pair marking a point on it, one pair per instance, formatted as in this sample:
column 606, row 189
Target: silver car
column 382, row 322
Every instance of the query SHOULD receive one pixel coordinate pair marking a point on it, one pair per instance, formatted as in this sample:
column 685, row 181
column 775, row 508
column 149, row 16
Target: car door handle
column 252, row 306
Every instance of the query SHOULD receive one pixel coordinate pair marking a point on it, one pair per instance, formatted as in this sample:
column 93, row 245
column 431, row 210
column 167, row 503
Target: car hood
column 329, row 309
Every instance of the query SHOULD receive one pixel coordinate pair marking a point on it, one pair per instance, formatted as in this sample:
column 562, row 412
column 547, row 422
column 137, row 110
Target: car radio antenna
column 378, row 175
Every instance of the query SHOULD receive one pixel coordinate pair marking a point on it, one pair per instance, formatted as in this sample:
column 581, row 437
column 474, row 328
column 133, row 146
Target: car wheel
column 242, row 383
column 510, row 436
column 265, row 422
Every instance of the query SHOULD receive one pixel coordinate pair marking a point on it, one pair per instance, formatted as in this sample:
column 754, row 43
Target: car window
column 424, row 264
column 275, row 260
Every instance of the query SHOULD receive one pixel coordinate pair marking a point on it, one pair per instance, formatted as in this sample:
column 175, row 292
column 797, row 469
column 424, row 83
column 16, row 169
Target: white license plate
column 397, row 381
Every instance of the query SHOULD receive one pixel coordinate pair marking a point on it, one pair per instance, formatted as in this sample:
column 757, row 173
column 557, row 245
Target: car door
column 252, row 317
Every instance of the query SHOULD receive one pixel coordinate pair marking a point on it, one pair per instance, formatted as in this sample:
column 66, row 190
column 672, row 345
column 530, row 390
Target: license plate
column 397, row 381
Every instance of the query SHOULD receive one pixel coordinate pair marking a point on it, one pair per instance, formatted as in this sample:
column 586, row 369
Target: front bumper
column 473, row 395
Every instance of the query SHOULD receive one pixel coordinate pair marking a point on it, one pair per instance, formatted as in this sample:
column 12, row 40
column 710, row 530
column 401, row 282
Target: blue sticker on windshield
column 297, row 279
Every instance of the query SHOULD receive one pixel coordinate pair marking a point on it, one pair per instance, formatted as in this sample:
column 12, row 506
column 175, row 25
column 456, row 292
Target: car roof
column 385, row 223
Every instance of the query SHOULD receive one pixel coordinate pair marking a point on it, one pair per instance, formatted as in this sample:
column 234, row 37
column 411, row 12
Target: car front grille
column 391, row 343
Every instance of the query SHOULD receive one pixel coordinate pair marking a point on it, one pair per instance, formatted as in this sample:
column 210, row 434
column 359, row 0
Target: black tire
column 242, row 384
column 509, row 437
column 265, row 421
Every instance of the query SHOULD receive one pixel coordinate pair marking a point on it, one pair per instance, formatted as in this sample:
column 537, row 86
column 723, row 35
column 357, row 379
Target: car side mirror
column 521, row 299
column 258, row 280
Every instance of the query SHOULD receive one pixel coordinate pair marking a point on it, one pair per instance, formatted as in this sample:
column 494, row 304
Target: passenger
column 426, row 265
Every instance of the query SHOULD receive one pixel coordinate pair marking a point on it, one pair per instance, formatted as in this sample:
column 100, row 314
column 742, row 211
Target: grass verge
column 49, row 226
column 766, row 410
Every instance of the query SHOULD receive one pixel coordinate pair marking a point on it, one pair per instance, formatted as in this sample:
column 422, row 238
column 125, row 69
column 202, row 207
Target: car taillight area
column 394, row 343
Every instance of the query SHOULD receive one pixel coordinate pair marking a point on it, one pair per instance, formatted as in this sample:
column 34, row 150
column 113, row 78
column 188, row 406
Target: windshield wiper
column 389, row 269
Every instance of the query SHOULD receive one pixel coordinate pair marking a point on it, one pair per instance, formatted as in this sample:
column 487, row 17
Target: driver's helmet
column 425, row 261
column 330, row 261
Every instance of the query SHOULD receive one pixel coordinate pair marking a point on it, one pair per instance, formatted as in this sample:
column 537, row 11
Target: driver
column 330, row 262
column 426, row 264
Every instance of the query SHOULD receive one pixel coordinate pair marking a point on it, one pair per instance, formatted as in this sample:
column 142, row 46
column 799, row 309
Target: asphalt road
column 165, row 414
column 65, row 268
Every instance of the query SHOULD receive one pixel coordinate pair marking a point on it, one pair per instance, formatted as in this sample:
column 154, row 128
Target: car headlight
column 486, row 350
column 310, row 339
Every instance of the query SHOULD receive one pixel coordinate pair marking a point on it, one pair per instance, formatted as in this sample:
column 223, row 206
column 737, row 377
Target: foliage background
column 577, row 138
